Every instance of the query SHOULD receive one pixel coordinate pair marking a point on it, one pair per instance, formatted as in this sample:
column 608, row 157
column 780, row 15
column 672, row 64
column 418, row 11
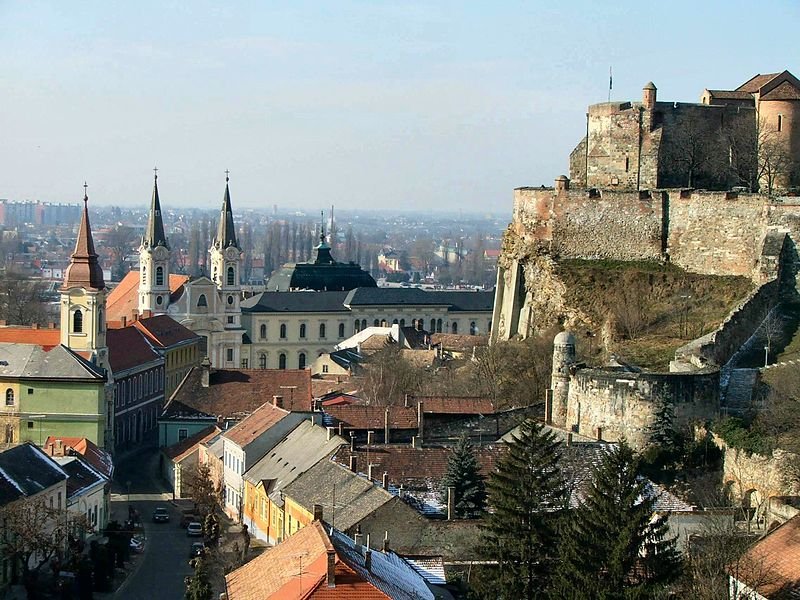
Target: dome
column 565, row 338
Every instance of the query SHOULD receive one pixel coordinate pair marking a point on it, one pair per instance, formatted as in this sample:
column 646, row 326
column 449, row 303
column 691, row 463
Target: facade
column 87, row 493
column 183, row 456
column 291, row 329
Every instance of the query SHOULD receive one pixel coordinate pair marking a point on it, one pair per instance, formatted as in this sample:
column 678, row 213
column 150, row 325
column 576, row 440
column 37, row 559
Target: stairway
column 738, row 395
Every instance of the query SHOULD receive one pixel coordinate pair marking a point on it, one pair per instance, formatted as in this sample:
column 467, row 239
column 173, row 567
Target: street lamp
column 766, row 356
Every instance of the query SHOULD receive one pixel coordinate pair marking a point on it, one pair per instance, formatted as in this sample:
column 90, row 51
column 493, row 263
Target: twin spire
column 84, row 270
column 154, row 234
column 226, row 230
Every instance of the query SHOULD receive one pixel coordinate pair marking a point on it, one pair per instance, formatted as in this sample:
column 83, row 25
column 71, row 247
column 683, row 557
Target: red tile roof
column 454, row 405
column 98, row 458
column 235, row 393
column 165, row 331
column 357, row 416
column 46, row 338
column 771, row 566
column 459, row 342
column 755, row 83
column 128, row 348
column 783, row 91
column 264, row 417
column 182, row 449
column 123, row 301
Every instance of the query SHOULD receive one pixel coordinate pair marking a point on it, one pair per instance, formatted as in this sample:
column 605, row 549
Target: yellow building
column 179, row 346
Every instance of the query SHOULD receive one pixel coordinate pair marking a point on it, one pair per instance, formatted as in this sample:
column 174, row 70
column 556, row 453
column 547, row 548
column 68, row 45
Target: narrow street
column 165, row 561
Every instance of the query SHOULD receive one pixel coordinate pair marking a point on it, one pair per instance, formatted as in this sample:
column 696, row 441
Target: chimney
column 370, row 435
column 405, row 400
column 386, row 431
column 318, row 512
column 35, row 326
column 341, row 428
column 205, row 377
column 420, row 419
column 147, row 314
column 368, row 541
column 548, row 407
column 331, row 579
column 358, row 538
column 451, row 503
column 352, row 441
column 369, row 471
column 385, row 480
column 330, row 433
column 368, row 560
column 385, row 546
column 59, row 447
column 353, row 463
column 277, row 401
column 123, row 321
column 569, row 439
column 599, row 434
column 51, row 325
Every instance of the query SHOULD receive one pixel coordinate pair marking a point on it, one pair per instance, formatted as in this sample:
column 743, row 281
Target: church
column 208, row 306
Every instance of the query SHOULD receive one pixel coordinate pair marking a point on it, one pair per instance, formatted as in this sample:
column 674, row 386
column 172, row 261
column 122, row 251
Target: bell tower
column 154, row 260
column 226, row 262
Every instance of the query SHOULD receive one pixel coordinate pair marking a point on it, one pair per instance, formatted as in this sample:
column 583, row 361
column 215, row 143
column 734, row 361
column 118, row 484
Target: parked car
column 161, row 515
column 137, row 544
column 194, row 529
column 196, row 549
column 188, row 516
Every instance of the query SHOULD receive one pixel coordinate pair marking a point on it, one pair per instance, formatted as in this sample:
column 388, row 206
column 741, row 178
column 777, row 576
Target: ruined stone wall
column 623, row 404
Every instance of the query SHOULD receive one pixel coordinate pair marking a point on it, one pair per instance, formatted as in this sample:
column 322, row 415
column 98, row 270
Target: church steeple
column 226, row 229
column 226, row 260
column 84, row 271
column 154, row 260
column 154, row 234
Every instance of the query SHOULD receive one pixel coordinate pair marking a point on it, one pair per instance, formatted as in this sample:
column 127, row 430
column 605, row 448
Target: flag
column 610, row 80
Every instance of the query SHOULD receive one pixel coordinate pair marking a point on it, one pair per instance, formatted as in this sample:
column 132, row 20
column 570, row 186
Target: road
column 165, row 562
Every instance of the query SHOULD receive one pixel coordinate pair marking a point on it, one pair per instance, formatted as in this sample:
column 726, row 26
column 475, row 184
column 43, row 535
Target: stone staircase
column 739, row 391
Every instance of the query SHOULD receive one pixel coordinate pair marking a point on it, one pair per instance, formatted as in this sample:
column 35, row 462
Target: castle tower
column 154, row 260
column 649, row 95
column 563, row 359
column 226, row 259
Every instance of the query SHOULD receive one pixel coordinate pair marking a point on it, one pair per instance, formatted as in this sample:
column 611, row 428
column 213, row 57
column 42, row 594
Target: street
column 165, row 561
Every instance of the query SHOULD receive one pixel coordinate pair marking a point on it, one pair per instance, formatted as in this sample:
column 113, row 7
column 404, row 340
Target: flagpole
column 610, row 83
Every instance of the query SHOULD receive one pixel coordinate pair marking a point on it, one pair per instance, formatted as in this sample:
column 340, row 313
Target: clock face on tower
column 160, row 253
column 231, row 253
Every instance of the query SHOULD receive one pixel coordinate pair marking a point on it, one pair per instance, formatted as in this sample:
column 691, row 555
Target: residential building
column 264, row 481
column 183, row 457
column 87, row 494
column 321, row 562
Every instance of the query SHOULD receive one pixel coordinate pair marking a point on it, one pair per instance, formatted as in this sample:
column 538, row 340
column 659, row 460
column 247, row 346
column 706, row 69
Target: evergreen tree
column 463, row 474
column 528, row 495
column 198, row 586
column 612, row 547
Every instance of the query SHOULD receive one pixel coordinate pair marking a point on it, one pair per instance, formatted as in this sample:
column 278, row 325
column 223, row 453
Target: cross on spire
column 227, row 175
column 85, row 192
column 155, row 172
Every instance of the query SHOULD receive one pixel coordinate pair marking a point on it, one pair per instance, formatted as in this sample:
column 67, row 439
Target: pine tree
column 612, row 548
column 463, row 474
column 528, row 495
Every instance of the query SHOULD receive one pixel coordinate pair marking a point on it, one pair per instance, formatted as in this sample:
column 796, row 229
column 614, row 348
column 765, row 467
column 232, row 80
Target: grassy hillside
column 644, row 311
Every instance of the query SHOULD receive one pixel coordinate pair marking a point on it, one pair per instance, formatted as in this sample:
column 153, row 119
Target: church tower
column 154, row 260
column 83, row 298
column 226, row 261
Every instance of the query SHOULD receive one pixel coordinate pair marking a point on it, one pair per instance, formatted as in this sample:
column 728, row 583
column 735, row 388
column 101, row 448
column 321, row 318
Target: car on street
column 161, row 515
column 137, row 544
column 196, row 549
column 194, row 529
column 187, row 516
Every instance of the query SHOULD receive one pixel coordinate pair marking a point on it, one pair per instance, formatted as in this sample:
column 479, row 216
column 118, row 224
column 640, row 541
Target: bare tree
column 21, row 299
column 121, row 241
column 775, row 161
column 201, row 487
column 630, row 307
column 388, row 377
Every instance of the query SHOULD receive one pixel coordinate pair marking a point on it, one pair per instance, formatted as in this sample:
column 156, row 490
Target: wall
column 623, row 403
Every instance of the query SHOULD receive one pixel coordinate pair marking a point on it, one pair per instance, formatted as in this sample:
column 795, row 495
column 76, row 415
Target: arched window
column 201, row 301
column 9, row 397
column 420, row 324
column 384, row 323
column 402, row 322
column 322, row 331
column 77, row 322
column 394, row 322
column 302, row 331
column 283, row 330
column 438, row 326
column 357, row 326
column 341, row 330
column 376, row 323
column 454, row 327
column 101, row 322
column 231, row 275
column 282, row 361
column 433, row 326
column 159, row 275
column 262, row 361
column 473, row 329
column 363, row 323
column 301, row 360
column 263, row 332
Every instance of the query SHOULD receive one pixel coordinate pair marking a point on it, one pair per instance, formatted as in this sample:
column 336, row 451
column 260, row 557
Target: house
column 184, row 456
column 344, row 362
column 246, row 443
column 87, row 492
column 223, row 397
column 770, row 569
column 321, row 562
column 300, row 450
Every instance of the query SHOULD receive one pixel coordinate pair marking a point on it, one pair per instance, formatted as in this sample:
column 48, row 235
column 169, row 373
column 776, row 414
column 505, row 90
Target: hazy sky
column 361, row 104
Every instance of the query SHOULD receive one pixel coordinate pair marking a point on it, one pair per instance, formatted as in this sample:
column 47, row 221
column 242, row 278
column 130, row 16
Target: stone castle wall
column 623, row 404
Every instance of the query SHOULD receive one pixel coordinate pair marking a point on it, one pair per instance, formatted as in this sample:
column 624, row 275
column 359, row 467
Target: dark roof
column 454, row 300
column 346, row 358
column 359, row 416
column 783, row 91
column 226, row 230
column 84, row 271
column 154, row 234
column 80, row 474
column 730, row 95
column 128, row 348
column 25, row 470
column 754, row 84
column 38, row 362
column 176, row 409
column 236, row 393
column 320, row 277
column 164, row 331
column 295, row 302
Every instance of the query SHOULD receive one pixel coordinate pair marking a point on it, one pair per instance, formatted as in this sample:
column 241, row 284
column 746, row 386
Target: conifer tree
column 463, row 474
column 612, row 547
column 527, row 494
column 198, row 586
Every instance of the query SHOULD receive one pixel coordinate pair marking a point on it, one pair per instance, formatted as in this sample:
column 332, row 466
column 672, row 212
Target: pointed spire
column 226, row 229
column 323, row 250
column 154, row 234
column 84, row 270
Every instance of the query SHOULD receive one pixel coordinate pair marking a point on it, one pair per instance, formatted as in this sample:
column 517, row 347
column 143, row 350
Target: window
column 263, row 332
column 302, row 331
column 30, row 391
column 780, row 122
column 438, row 326
column 77, row 322
column 357, row 326
column 402, row 322
column 229, row 354
column 283, row 331
column 376, row 323
column 473, row 329
column 394, row 322
column 627, row 164
column 9, row 433
column 324, row 368
column 230, row 320
column 341, row 330
column 322, row 331
column 201, row 301
column 182, row 434
column 281, row 361
column 244, row 364
column 231, row 275
column 301, row 360
column 9, row 397
column 230, row 300
column 454, row 327
column 159, row 275
column 262, row 361
column 363, row 323
column 433, row 326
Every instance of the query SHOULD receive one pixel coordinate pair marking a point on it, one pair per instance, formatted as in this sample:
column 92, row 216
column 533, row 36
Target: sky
column 391, row 105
